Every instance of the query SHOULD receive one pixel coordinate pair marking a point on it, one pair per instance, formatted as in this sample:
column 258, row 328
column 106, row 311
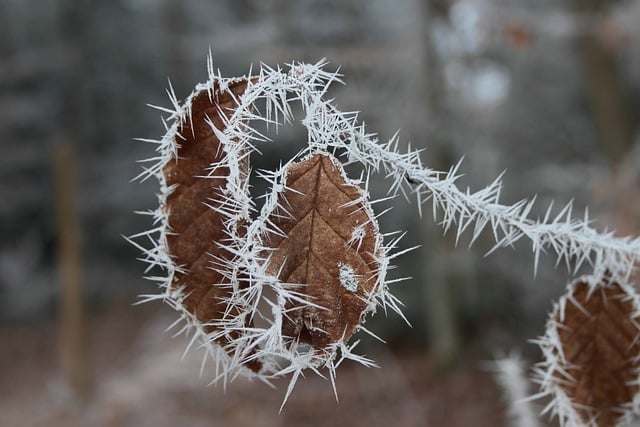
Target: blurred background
column 546, row 90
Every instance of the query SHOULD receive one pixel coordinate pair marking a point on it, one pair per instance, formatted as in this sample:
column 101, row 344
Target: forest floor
column 140, row 379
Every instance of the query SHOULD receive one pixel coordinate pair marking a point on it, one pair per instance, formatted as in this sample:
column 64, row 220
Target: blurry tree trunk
column 442, row 328
column 73, row 121
column 74, row 91
column 606, row 90
column 73, row 334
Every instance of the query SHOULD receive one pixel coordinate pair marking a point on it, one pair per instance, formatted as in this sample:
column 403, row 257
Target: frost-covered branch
column 265, row 320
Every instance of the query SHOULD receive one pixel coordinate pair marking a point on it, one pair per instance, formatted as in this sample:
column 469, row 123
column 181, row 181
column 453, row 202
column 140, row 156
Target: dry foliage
column 199, row 233
column 328, row 242
column 598, row 362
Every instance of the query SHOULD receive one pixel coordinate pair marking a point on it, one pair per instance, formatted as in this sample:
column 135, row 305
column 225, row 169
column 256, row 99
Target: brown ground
column 140, row 380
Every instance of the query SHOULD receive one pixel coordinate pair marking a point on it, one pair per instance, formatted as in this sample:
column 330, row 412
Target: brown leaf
column 198, row 236
column 331, row 248
column 600, row 344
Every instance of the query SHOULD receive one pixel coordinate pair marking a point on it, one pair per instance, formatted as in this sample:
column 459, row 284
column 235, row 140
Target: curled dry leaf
column 328, row 244
column 199, row 232
column 597, row 363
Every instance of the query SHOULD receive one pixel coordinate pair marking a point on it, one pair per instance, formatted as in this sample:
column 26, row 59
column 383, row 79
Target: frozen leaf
column 328, row 244
column 198, row 206
column 592, row 351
